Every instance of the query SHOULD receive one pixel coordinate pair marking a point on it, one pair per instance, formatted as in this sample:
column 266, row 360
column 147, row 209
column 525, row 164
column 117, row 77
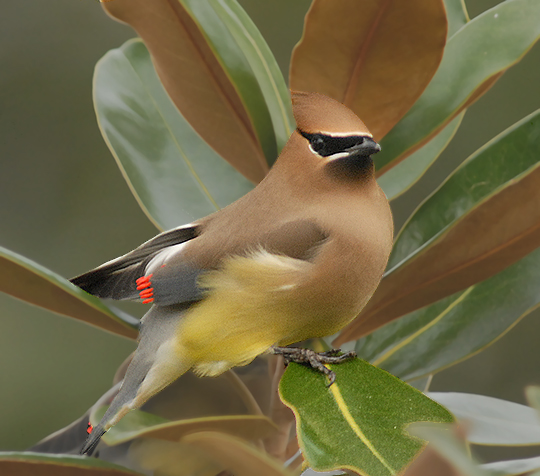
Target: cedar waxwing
column 296, row 258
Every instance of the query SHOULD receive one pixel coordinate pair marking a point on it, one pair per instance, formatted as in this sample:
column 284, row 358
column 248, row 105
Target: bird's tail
column 155, row 365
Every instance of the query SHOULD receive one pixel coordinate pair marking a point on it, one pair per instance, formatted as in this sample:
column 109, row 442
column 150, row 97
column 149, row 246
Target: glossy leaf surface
column 209, row 75
column 449, row 331
column 261, row 60
column 38, row 464
column 175, row 176
column 367, row 407
column 236, row 455
column 491, row 421
column 404, row 175
column 37, row 285
column 474, row 59
column 367, row 57
column 483, row 218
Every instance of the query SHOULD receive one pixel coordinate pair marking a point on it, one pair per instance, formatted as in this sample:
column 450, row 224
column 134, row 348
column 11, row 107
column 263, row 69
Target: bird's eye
column 317, row 143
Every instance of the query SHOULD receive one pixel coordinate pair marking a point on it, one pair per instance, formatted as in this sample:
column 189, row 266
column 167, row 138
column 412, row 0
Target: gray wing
column 158, row 272
column 116, row 279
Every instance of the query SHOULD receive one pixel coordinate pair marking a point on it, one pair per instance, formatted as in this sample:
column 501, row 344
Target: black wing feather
column 116, row 279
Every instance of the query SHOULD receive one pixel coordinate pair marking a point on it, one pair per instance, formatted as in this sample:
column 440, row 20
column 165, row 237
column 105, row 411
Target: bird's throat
column 353, row 168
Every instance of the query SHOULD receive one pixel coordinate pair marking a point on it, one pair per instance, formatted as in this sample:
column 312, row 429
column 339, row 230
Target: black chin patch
column 350, row 168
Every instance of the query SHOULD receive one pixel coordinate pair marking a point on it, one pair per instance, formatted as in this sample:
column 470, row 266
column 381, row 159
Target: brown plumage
column 297, row 257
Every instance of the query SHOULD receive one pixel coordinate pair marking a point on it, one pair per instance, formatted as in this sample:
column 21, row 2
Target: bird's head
column 333, row 135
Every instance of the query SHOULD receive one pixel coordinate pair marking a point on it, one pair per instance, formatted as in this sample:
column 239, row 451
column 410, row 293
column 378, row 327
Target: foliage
column 462, row 272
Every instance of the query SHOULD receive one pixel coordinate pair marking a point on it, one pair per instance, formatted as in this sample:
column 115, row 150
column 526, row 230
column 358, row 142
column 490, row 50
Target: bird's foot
column 316, row 360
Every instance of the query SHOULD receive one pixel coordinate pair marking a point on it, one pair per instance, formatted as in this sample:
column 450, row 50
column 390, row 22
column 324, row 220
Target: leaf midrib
column 250, row 132
column 352, row 84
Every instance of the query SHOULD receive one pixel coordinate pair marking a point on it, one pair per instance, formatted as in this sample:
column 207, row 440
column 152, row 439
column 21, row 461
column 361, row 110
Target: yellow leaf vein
column 340, row 401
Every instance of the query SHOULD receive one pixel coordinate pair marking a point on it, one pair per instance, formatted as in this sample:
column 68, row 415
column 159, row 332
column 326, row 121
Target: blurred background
column 65, row 205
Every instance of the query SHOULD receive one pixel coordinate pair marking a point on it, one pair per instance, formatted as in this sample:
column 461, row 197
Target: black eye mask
column 326, row 145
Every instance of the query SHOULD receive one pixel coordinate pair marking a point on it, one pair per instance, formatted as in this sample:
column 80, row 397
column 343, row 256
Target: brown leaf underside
column 477, row 94
column 368, row 57
column 27, row 286
column 489, row 239
column 194, row 79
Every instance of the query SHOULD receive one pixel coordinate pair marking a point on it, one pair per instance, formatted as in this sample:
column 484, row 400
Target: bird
column 296, row 258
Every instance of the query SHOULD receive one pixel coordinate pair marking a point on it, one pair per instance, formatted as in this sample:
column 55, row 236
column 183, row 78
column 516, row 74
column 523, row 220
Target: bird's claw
column 316, row 360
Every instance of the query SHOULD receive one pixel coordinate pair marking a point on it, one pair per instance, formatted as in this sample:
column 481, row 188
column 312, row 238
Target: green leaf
column 175, row 176
column 38, row 464
column 403, row 176
column 236, row 455
column 37, row 285
column 139, row 424
column 453, row 329
column 310, row 472
column 456, row 13
column 483, row 218
column 513, row 467
column 235, row 39
column 208, row 77
column 491, row 421
column 473, row 59
column 359, row 422
column 495, row 166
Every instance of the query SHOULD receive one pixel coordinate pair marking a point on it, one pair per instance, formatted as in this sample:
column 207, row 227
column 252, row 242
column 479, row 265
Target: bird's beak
column 365, row 149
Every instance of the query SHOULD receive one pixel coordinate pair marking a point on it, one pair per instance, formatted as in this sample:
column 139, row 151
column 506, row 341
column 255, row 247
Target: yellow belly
column 252, row 303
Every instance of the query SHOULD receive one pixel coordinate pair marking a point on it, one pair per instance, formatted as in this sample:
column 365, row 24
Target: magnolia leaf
column 491, row 421
column 431, row 463
column 236, row 455
column 310, row 472
column 453, row 329
column 403, row 176
column 259, row 56
column 448, row 443
column 483, row 218
column 139, row 424
column 39, row 464
column 69, row 439
column 376, row 59
column 474, row 58
column 166, row 458
column 188, row 403
column 456, row 13
column 513, row 467
column 37, row 285
column 175, row 176
column 218, row 71
column 359, row 422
